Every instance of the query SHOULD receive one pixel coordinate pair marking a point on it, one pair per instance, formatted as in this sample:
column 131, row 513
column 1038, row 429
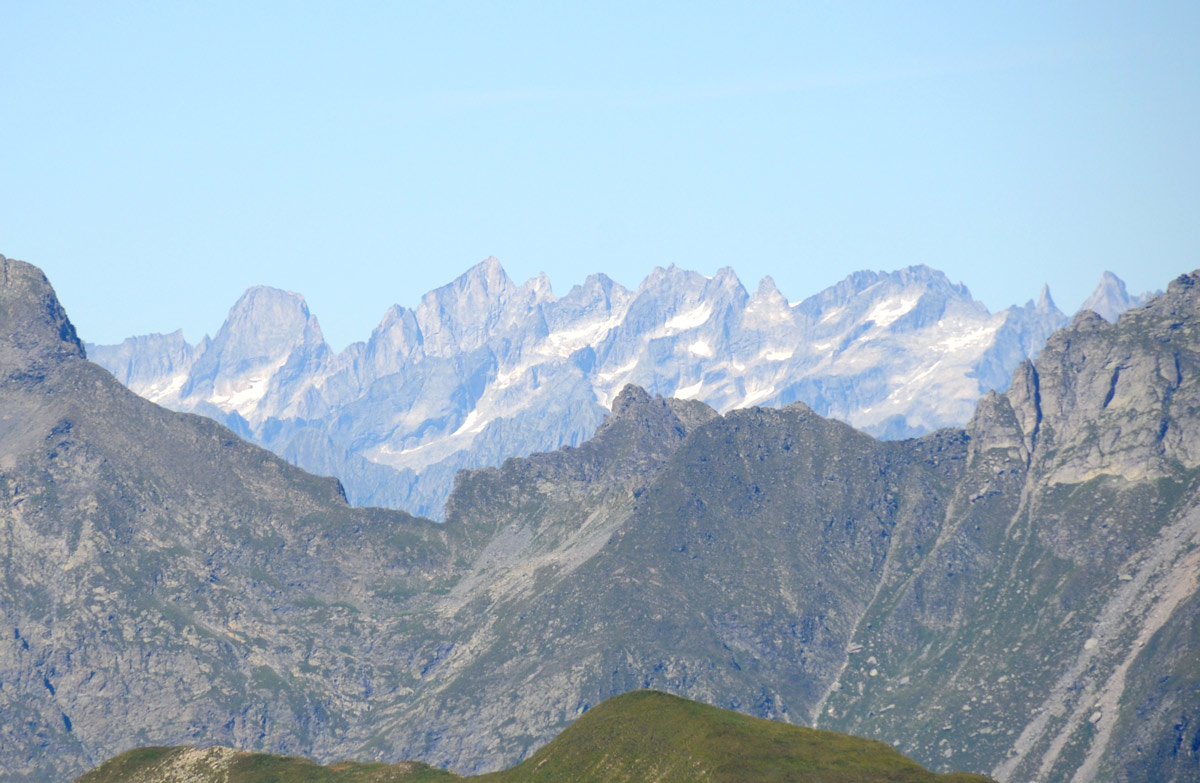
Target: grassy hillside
column 640, row 736
column 222, row 765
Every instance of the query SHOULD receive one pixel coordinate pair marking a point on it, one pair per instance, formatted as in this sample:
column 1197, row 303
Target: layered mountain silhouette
column 1017, row 597
column 484, row 369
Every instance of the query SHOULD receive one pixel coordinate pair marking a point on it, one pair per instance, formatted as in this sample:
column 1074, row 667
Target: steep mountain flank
column 1019, row 596
column 164, row 580
column 993, row 598
column 1046, row 626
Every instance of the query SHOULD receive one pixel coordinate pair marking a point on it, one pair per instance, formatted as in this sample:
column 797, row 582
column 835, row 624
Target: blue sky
column 158, row 158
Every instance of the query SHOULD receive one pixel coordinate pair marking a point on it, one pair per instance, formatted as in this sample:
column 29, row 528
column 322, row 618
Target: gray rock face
column 160, row 578
column 485, row 369
column 1019, row 596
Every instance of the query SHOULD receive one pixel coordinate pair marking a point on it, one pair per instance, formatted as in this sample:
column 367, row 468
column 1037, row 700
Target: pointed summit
column 487, row 277
column 34, row 328
column 1045, row 303
column 461, row 314
column 264, row 327
column 766, row 288
column 1110, row 298
column 265, row 318
column 767, row 302
column 630, row 398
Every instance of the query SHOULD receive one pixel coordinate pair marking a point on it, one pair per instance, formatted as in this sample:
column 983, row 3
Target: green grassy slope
column 639, row 736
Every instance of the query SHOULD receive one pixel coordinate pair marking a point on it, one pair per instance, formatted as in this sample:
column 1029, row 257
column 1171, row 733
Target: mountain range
column 484, row 369
column 1018, row 596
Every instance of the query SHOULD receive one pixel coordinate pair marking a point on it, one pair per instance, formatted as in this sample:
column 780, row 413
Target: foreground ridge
column 639, row 736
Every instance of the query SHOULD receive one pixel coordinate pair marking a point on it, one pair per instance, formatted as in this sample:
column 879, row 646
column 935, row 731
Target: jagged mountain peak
column 767, row 297
column 1045, row 303
column 634, row 403
column 926, row 276
column 629, row 399
column 726, row 278
column 488, row 275
column 540, row 288
column 673, row 275
column 767, row 288
column 860, row 290
column 265, row 329
column 265, row 316
column 35, row 326
column 1111, row 298
column 726, row 286
column 597, row 287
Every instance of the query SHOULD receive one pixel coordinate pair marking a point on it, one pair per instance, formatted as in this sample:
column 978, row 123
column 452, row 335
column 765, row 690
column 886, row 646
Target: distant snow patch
column 700, row 348
column 566, row 341
column 244, row 394
column 829, row 314
column 754, row 394
column 163, row 389
column 690, row 320
column 470, row 425
column 976, row 338
column 688, row 392
column 887, row 311
column 622, row 370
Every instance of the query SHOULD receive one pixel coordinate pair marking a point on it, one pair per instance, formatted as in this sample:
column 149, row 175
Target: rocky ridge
column 1016, row 596
column 483, row 368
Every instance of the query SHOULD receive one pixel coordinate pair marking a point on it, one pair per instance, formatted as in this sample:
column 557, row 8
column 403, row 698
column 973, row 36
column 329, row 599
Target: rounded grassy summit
column 635, row 737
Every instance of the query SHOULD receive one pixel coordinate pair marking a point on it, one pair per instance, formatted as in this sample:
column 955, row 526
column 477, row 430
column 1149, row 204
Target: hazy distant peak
column 260, row 296
column 487, row 278
column 541, row 287
column 1110, row 298
column 726, row 277
column 768, row 293
column 1045, row 303
column 924, row 275
column 596, row 285
column 265, row 316
column 672, row 275
column 490, row 271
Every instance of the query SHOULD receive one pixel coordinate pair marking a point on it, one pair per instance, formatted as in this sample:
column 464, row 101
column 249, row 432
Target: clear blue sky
column 157, row 158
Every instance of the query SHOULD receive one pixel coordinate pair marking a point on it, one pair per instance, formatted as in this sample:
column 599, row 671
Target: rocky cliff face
column 483, row 369
column 163, row 580
column 1017, row 596
column 1039, row 625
